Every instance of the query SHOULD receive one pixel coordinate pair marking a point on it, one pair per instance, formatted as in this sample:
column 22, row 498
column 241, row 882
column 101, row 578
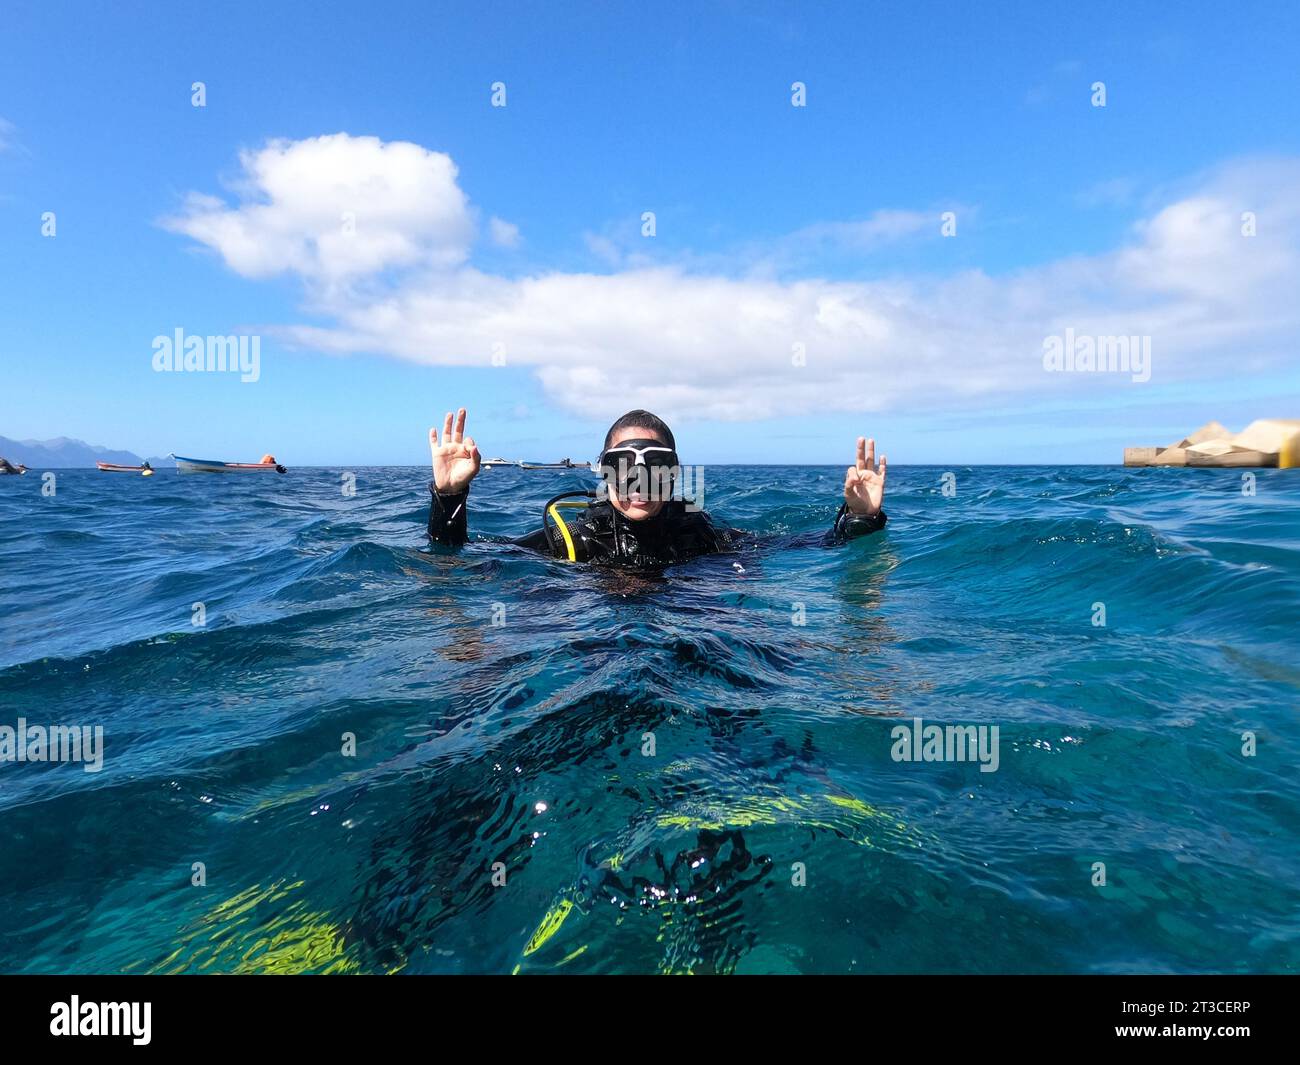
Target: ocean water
column 566, row 769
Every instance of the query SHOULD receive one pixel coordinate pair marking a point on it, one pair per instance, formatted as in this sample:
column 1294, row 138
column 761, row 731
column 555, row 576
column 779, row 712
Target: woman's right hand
column 456, row 459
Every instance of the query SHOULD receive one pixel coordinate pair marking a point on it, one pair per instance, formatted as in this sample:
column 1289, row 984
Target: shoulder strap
column 563, row 539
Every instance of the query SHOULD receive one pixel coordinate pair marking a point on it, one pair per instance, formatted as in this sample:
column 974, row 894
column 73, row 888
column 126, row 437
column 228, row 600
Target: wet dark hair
column 641, row 419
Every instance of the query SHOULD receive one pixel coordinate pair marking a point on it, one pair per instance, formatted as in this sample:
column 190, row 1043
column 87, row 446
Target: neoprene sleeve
column 447, row 519
column 849, row 525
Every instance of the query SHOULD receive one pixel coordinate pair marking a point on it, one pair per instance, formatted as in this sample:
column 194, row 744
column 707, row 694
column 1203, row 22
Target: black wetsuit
column 601, row 534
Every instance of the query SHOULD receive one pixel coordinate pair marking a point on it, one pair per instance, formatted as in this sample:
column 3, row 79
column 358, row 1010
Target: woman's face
column 637, row 506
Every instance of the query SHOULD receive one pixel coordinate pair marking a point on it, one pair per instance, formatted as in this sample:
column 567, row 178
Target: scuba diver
column 639, row 519
column 8, row 467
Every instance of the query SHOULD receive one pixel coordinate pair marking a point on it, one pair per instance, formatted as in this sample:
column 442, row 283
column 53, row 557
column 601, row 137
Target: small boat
column 113, row 467
column 563, row 464
column 520, row 464
column 184, row 465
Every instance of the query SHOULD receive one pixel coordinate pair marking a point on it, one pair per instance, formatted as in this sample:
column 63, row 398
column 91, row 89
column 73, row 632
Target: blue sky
column 775, row 225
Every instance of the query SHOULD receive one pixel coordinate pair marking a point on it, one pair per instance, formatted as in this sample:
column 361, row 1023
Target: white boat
column 563, row 464
column 117, row 467
column 184, row 465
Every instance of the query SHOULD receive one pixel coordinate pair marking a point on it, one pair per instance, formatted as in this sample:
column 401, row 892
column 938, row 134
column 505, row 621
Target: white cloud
column 9, row 138
column 1064, row 73
column 335, row 207
column 1115, row 192
column 695, row 343
column 881, row 228
column 604, row 248
column 504, row 234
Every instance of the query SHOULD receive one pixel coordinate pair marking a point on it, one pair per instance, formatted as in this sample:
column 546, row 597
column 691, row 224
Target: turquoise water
column 502, row 809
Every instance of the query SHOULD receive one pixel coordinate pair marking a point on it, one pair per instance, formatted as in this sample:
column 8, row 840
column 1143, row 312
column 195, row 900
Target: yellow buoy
column 1288, row 455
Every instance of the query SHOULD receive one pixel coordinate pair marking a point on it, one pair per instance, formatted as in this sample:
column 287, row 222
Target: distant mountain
column 63, row 453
